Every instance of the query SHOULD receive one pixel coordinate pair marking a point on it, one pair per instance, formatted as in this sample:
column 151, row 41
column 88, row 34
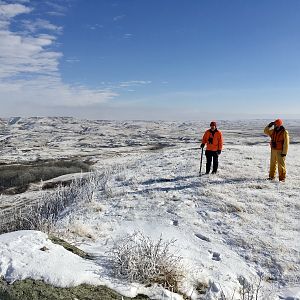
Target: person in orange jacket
column 279, row 148
column 214, row 144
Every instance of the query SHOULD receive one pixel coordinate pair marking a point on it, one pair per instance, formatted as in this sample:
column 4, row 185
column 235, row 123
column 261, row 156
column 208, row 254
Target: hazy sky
column 150, row 59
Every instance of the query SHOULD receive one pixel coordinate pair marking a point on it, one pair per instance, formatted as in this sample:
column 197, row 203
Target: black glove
column 271, row 124
column 219, row 152
column 283, row 155
column 202, row 146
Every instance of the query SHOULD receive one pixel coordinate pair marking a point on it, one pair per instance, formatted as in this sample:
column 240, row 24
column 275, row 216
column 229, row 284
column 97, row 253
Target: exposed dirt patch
column 69, row 247
column 36, row 290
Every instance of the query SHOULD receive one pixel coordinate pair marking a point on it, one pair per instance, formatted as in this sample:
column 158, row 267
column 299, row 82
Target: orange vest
column 213, row 141
column 277, row 139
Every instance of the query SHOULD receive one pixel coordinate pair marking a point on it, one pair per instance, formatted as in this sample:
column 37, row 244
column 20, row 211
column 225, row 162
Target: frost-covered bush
column 138, row 258
column 246, row 291
column 249, row 291
column 53, row 205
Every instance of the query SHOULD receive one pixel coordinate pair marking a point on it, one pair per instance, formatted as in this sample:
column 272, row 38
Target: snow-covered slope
column 229, row 227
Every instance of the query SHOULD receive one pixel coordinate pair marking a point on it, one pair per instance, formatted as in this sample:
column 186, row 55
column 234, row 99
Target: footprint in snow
column 171, row 211
column 202, row 237
column 216, row 256
column 203, row 214
column 175, row 222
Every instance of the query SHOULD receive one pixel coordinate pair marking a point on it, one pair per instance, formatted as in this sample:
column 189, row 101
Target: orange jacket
column 213, row 140
column 279, row 139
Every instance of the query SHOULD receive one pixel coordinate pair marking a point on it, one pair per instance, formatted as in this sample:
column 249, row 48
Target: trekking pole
column 201, row 161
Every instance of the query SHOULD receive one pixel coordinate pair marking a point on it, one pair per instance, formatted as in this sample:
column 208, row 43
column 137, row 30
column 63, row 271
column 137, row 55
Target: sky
column 150, row 59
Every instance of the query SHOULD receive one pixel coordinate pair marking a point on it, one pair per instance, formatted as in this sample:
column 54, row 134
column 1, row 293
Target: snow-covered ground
column 229, row 227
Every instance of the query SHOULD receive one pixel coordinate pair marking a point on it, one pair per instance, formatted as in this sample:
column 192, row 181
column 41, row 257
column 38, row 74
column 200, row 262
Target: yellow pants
column 277, row 159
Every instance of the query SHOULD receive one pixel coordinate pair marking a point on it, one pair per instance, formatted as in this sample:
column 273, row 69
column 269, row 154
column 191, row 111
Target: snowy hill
column 231, row 228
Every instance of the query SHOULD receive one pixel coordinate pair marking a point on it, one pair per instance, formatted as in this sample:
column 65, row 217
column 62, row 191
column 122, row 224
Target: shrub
column 53, row 205
column 250, row 291
column 138, row 258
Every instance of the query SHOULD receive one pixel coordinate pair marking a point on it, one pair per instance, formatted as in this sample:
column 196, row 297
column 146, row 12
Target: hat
column 278, row 122
column 213, row 123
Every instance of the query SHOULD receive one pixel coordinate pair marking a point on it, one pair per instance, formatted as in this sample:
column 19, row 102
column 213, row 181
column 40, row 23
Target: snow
column 230, row 226
column 22, row 257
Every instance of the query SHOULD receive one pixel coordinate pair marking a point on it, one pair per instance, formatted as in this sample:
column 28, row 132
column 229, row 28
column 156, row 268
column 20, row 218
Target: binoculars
column 273, row 143
column 210, row 140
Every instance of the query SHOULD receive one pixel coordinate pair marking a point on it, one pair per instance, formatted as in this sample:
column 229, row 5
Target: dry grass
column 78, row 228
column 138, row 258
column 53, row 205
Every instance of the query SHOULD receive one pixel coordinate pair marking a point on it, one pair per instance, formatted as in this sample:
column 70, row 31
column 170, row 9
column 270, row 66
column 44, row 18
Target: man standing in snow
column 214, row 144
column 279, row 148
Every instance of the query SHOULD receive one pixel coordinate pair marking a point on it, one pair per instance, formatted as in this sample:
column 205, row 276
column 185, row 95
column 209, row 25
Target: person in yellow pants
column 279, row 148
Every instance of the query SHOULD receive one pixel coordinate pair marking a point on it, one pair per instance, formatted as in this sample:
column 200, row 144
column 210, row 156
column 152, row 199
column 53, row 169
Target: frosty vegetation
column 54, row 205
column 137, row 258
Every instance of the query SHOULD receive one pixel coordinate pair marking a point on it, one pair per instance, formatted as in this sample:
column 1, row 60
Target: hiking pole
column 201, row 161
